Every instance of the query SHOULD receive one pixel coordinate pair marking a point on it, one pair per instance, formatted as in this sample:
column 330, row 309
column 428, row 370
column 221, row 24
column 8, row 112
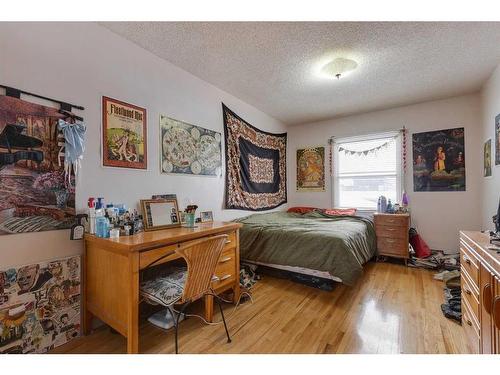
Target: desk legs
column 133, row 306
column 87, row 321
column 209, row 308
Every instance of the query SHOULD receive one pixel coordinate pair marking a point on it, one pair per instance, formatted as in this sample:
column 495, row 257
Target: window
column 366, row 168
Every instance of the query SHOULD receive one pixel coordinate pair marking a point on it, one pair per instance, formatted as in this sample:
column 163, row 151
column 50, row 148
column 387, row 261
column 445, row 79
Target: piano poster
column 35, row 196
column 124, row 135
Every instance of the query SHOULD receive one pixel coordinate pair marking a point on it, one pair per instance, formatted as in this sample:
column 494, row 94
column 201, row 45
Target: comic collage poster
column 311, row 169
column 124, row 135
column 39, row 306
column 439, row 160
column 497, row 139
column 36, row 196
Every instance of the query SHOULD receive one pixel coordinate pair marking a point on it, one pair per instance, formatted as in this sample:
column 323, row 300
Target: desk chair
column 182, row 286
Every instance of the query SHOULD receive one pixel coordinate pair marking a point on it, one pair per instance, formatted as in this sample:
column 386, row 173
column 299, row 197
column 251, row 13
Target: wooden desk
column 112, row 266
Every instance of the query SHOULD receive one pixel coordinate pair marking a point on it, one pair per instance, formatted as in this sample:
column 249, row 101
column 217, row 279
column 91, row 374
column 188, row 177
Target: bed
column 312, row 243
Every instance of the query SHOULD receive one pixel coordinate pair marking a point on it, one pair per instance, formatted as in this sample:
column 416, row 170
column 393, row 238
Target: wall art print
column 311, row 169
column 124, row 135
column 189, row 149
column 497, row 140
column 439, row 160
column 35, row 196
column 487, row 158
column 255, row 165
column 39, row 306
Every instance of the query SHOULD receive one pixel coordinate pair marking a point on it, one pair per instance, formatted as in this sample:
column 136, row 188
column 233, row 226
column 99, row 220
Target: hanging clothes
column 74, row 146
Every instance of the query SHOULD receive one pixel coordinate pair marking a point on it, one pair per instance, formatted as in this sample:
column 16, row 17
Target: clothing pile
column 438, row 260
column 248, row 275
column 452, row 308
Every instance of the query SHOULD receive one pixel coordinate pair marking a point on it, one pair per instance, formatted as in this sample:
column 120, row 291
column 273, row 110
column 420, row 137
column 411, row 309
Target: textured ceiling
column 274, row 65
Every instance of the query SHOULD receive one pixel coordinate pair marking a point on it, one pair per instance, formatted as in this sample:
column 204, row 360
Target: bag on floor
column 422, row 250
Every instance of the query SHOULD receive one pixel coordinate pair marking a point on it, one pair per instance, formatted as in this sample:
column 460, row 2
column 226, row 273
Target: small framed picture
column 182, row 217
column 160, row 213
column 206, row 216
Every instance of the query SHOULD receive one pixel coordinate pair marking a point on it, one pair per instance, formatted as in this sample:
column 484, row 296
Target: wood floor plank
column 391, row 309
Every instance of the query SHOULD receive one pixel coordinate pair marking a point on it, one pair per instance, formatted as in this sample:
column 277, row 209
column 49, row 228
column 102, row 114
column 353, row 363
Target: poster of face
column 35, row 195
column 487, row 158
column 39, row 306
column 497, row 140
column 311, row 169
column 439, row 160
column 189, row 149
column 124, row 134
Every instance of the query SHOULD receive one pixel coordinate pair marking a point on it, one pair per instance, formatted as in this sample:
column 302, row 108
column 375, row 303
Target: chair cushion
column 166, row 288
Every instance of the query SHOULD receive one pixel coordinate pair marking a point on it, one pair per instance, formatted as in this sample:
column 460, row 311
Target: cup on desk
column 190, row 220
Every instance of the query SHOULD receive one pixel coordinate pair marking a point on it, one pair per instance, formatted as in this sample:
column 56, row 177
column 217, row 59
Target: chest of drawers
column 392, row 235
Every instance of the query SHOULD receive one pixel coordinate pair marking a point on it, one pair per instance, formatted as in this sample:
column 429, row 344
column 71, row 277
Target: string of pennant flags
column 369, row 151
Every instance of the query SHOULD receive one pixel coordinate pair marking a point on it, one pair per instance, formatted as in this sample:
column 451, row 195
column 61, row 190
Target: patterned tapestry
column 39, row 306
column 255, row 165
column 311, row 169
column 189, row 149
column 35, row 195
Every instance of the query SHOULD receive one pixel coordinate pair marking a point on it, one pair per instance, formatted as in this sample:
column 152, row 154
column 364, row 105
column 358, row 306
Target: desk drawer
column 225, row 272
column 148, row 256
column 470, row 264
column 231, row 241
column 471, row 327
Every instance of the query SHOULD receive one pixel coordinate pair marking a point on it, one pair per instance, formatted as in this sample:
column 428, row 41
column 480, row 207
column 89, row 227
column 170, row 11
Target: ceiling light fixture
column 339, row 67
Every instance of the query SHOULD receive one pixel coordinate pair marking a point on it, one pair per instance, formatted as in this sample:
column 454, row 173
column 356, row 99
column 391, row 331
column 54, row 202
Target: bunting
column 369, row 151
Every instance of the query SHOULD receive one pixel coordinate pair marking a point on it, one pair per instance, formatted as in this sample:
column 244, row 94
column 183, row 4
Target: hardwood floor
column 391, row 309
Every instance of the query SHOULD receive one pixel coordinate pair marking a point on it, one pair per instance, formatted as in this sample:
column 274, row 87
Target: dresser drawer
column 392, row 220
column 471, row 328
column 392, row 246
column 391, row 231
column 471, row 295
column 470, row 264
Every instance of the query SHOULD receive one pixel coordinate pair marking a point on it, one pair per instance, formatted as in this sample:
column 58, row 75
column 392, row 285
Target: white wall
column 490, row 187
column 437, row 215
column 80, row 62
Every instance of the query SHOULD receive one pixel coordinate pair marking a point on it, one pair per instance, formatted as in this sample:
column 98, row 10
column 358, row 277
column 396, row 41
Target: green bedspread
column 339, row 245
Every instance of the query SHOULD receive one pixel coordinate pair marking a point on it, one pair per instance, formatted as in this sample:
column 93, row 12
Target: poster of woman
column 497, row 140
column 124, row 134
column 311, row 169
column 439, row 160
column 487, row 158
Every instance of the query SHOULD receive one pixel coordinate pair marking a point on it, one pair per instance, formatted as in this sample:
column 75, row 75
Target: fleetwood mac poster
column 124, row 135
column 439, row 160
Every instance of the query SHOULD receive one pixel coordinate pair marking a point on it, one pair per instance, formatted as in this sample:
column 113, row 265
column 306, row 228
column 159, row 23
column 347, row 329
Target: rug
column 255, row 165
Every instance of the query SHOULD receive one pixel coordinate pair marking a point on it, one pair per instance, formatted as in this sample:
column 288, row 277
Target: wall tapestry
column 439, row 160
column 311, row 169
column 124, row 135
column 39, row 306
column 487, row 158
column 189, row 149
column 497, row 140
column 255, row 165
column 35, row 196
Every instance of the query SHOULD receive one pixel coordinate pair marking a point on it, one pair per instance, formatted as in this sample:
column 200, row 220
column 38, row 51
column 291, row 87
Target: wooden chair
column 182, row 286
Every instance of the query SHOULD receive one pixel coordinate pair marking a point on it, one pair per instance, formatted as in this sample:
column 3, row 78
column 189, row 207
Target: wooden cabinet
column 392, row 234
column 480, row 268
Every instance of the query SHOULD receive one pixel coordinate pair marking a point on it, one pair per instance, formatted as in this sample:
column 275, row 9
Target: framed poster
column 497, row 140
column 487, row 158
column 189, row 149
column 124, row 135
column 439, row 160
column 311, row 169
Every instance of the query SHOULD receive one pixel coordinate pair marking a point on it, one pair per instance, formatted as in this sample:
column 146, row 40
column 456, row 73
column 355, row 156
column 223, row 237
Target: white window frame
column 399, row 165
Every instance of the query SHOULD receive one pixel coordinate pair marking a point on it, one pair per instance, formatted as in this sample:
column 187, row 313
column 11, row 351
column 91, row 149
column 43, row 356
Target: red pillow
column 341, row 211
column 301, row 210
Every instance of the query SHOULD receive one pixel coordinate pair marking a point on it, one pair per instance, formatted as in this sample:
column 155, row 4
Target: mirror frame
column 147, row 225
